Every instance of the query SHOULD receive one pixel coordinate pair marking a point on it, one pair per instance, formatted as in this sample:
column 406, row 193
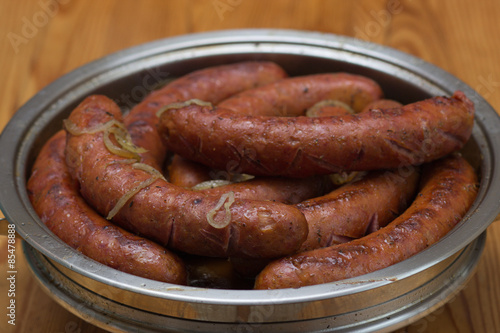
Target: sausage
column 180, row 219
column 328, row 108
column 448, row 189
column 56, row 200
column 193, row 175
column 351, row 210
column 211, row 84
column 303, row 146
column 292, row 96
column 278, row 189
column 185, row 173
column 382, row 104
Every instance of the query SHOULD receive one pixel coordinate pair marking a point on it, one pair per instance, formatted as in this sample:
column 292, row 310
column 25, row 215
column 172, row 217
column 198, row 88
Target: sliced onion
column 313, row 110
column 123, row 200
column 227, row 218
column 346, row 177
column 241, row 177
column 179, row 105
column 149, row 169
column 210, row 184
column 126, row 161
column 125, row 140
column 73, row 129
column 118, row 150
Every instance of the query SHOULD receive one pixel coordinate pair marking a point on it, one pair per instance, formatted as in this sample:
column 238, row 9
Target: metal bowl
column 383, row 300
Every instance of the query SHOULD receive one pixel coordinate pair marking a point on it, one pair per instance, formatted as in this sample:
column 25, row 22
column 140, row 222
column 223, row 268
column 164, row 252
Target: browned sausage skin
column 302, row 146
column 448, row 189
column 351, row 210
column 211, row 84
column 382, row 104
column 56, row 200
column 292, row 96
column 185, row 173
column 185, row 220
column 192, row 175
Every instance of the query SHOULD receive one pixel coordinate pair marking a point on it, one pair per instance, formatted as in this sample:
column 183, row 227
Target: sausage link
column 211, row 84
column 279, row 189
column 302, row 146
column 186, row 173
column 351, row 210
column 56, row 200
column 293, row 96
column 382, row 104
column 168, row 214
column 448, row 189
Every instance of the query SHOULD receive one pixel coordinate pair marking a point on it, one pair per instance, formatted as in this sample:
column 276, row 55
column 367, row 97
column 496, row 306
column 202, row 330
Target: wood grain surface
column 42, row 40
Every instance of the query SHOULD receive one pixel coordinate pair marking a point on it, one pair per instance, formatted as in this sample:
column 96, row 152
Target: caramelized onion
column 123, row 200
column 241, row 177
column 179, row 105
column 346, row 177
column 125, row 140
column 210, row 184
column 227, row 218
column 313, row 110
column 73, row 129
column 126, row 148
column 149, row 169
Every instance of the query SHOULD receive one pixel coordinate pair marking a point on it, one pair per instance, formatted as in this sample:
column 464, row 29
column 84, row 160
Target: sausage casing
column 55, row 198
column 211, row 84
column 166, row 213
column 301, row 146
column 292, row 96
column 448, row 189
column 349, row 211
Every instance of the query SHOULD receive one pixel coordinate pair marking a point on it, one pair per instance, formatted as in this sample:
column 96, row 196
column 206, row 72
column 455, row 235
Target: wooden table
column 44, row 39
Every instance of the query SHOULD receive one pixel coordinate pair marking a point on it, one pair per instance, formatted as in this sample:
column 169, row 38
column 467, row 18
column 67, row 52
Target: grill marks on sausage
column 286, row 146
column 448, row 189
column 166, row 213
column 55, row 197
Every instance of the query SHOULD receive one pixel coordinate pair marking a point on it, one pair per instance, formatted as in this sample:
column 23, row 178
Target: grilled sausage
column 186, row 173
column 448, row 189
column 302, row 146
column 56, row 200
column 211, row 84
column 292, row 96
column 357, row 208
column 382, row 104
column 193, row 175
column 184, row 220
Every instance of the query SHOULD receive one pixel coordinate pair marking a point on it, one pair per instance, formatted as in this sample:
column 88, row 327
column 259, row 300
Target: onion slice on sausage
column 227, row 218
column 178, row 105
column 123, row 200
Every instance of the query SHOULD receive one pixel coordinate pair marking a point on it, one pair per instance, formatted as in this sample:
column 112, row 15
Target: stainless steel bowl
column 383, row 300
